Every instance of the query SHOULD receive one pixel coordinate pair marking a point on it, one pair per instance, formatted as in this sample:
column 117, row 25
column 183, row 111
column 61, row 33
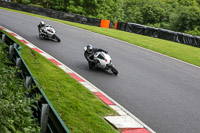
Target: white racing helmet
column 42, row 23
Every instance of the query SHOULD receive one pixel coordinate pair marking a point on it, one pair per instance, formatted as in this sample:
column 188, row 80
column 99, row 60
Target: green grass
column 81, row 111
column 180, row 51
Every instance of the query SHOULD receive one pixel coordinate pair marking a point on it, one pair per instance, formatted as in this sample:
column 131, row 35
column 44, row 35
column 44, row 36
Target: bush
column 26, row 2
column 195, row 32
column 15, row 109
column 36, row 5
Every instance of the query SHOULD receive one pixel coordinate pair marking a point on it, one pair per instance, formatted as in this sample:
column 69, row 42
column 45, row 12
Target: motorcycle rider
column 41, row 27
column 47, row 32
column 89, row 55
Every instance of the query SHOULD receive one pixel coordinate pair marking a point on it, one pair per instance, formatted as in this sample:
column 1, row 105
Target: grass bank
column 183, row 52
column 81, row 111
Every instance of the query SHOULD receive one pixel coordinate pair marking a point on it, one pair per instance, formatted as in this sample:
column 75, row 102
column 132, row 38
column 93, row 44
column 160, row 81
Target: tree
column 185, row 18
column 188, row 2
column 146, row 12
column 109, row 10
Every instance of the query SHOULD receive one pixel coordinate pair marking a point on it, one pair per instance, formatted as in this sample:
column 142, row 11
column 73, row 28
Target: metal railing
column 47, row 116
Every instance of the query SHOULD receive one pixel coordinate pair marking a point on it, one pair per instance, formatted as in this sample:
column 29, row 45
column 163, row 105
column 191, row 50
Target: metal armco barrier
column 50, row 121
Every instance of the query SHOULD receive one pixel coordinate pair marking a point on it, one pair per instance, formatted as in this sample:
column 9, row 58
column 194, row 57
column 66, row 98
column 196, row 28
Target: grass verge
column 182, row 52
column 81, row 111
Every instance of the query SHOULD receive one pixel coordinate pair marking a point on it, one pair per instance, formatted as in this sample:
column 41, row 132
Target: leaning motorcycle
column 103, row 61
column 48, row 32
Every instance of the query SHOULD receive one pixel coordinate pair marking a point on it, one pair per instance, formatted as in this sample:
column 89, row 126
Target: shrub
column 195, row 32
column 15, row 108
column 26, row 2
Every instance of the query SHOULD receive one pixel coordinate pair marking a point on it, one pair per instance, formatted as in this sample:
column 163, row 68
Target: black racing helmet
column 89, row 48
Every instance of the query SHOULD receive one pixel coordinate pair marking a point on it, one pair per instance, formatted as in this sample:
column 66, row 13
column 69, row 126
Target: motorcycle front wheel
column 56, row 38
column 113, row 69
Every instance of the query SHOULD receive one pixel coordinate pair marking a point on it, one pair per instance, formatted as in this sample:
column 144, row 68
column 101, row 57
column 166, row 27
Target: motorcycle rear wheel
column 41, row 36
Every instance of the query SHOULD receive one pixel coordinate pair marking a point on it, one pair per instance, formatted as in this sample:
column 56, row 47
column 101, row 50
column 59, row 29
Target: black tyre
column 41, row 36
column 91, row 65
column 57, row 38
column 113, row 69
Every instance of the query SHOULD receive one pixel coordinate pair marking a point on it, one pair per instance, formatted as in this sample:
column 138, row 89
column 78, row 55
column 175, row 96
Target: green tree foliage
column 188, row 2
column 178, row 15
column 109, row 9
column 103, row 9
column 185, row 18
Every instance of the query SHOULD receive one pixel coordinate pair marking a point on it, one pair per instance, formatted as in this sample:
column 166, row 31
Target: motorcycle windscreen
column 101, row 56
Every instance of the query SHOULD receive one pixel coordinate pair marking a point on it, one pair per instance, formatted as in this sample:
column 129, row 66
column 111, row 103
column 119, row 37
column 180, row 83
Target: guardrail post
column 15, row 45
column 3, row 38
column 28, row 82
column 11, row 51
column 44, row 118
column 18, row 62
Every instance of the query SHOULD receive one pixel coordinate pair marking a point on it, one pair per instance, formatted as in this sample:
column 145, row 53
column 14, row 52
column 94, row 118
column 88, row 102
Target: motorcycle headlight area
column 50, row 30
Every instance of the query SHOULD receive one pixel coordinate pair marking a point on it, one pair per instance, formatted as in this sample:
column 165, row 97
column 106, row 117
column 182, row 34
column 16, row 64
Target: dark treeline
column 176, row 15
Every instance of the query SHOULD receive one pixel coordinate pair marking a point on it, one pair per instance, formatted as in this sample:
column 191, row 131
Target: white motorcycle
column 48, row 32
column 103, row 61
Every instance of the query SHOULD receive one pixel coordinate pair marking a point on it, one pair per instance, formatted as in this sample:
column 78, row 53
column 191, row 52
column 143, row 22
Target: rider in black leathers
column 89, row 55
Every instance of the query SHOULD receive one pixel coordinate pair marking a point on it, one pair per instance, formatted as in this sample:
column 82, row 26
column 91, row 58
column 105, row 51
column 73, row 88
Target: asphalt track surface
column 162, row 92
